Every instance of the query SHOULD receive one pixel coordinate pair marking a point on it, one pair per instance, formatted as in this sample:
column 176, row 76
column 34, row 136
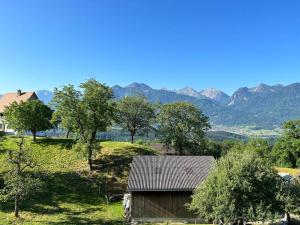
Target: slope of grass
column 293, row 172
column 69, row 193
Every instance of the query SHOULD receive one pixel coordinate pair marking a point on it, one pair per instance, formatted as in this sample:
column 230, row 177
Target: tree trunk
column 17, row 203
column 68, row 133
column 180, row 149
column 90, row 149
column 34, row 134
column 131, row 133
column 90, row 158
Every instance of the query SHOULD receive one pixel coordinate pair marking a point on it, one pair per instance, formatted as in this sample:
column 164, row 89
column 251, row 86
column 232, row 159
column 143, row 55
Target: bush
column 2, row 133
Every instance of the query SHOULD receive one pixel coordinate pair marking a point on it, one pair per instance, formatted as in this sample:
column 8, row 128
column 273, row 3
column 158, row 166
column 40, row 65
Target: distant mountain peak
column 190, row 92
column 260, row 88
column 263, row 105
column 141, row 86
column 216, row 95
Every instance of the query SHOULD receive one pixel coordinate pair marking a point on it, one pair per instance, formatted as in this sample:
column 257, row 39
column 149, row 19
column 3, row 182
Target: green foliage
column 135, row 114
column 286, row 151
column 241, row 186
column 261, row 146
column 85, row 112
column 69, row 193
column 291, row 196
column 18, row 184
column 292, row 129
column 31, row 115
column 182, row 125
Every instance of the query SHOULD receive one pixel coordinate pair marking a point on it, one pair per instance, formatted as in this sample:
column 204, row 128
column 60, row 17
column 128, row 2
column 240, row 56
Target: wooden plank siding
column 161, row 204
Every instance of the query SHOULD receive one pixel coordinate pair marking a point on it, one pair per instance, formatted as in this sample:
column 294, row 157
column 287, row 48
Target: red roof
column 9, row 98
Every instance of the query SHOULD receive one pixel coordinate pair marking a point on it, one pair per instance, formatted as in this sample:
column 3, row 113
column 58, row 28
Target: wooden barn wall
column 160, row 205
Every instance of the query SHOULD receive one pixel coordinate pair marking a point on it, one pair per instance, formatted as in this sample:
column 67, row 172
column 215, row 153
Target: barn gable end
column 161, row 186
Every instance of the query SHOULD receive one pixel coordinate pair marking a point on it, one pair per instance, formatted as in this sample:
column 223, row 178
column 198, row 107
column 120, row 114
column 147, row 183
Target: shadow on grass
column 74, row 221
column 62, row 142
column 66, row 188
column 120, row 161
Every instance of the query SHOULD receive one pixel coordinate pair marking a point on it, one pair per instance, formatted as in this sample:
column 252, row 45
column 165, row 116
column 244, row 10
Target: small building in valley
column 161, row 186
column 8, row 99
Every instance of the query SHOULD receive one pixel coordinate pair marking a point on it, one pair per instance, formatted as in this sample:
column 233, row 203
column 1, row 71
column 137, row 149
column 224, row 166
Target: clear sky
column 163, row 43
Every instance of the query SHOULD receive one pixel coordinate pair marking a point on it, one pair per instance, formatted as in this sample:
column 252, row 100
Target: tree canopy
column 135, row 113
column 32, row 115
column 242, row 186
column 85, row 111
column 18, row 183
column 182, row 125
column 286, row 151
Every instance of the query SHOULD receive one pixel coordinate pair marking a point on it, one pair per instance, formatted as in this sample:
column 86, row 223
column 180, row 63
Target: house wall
column 4, row 126
column 164, row 205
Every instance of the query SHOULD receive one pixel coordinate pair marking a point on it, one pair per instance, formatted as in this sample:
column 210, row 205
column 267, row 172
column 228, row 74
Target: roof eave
column 160, row 190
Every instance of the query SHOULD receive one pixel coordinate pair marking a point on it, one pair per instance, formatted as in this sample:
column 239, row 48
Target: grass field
column 69, row 194
column 293, row 172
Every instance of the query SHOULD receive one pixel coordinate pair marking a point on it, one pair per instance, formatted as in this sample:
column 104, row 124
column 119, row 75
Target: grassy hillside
column 69, row 194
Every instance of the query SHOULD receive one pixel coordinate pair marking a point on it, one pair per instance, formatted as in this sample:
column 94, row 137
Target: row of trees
column 92, row 109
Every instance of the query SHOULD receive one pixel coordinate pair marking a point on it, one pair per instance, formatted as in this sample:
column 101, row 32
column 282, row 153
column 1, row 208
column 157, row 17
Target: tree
column 261, row 146
column 292, row 129
column 66, row 122
column 182, row 125
column 135, row 113
column 286, row 151
column 90, row 110
column 242, row 186
column 31, row 115
column 18, row 184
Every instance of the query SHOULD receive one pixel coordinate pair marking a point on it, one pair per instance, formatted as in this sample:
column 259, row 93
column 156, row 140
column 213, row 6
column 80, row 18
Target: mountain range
column 263, row 106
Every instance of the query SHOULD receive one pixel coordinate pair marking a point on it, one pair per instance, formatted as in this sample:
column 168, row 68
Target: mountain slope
column 190, row 92
column 164, row 96
column 45, row 96
column 216, row 95
column 264, row 105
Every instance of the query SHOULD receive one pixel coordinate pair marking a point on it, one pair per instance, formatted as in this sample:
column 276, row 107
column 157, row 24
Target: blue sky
column 163, row 43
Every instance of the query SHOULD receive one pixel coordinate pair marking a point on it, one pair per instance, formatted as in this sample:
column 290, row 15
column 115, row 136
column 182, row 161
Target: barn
column 161, row 186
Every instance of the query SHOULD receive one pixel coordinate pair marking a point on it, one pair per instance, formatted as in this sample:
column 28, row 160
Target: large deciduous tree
column 286, row 151
column 135, row 113
column 243, row 187
column 182, row 125
column 89, row 110
column 31, row 116
column 18, row 183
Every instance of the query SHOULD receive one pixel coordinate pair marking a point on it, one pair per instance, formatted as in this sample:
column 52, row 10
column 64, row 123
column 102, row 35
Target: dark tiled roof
column 168, row 173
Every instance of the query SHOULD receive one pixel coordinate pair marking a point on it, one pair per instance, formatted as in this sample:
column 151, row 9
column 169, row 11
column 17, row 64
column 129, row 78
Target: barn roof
column 168, row 173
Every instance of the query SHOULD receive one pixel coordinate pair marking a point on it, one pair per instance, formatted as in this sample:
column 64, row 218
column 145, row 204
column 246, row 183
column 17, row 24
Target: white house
column 8, row 99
